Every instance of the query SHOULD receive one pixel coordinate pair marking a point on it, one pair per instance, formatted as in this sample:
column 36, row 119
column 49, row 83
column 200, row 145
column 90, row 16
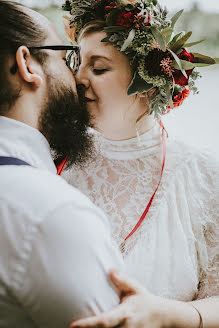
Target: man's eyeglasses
column 72, row 56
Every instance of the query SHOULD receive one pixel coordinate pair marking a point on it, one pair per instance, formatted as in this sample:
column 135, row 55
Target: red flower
column 109, row 8
column 185, row 55
column 179, row 99
column 179, row 78
column 125, row 19
column 140, row 18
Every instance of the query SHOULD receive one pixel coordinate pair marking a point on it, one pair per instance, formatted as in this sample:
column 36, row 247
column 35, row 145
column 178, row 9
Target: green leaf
column 180, row 42
column 138, row 85
column 105, row 39
column 111, row 17
column 128, row 40
column 179, row 63
column 184, row 64
column 171, row 43
column 199, row 58
column 167, row 33
column 201, row 65
column 159, row 38
column 169, row 95
column 109, row 29
column 175, row 18
column 187, row 45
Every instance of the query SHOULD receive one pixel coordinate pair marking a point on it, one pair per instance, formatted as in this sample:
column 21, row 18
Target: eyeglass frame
column 74, row 48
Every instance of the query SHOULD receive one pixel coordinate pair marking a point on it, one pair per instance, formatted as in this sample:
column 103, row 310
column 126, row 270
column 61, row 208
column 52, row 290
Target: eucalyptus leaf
column 180, row 42
column 175, row 18
column 179, row 63
column 138, row 85
column 201, row 65
column 159, row 38
column 187, row 45
column 128, row 40
column 199, row 58
column 169, row 95
column 167, row 33
column 109, row 29
column 175, row 38
column 184, row 64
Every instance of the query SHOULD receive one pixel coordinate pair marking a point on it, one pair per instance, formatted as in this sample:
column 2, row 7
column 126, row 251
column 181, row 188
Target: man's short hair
column 17, row 28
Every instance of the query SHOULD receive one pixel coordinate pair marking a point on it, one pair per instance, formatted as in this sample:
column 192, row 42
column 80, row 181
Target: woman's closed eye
column 99, row 71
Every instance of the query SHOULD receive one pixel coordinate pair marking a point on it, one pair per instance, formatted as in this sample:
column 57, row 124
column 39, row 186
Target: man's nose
column 82, row 78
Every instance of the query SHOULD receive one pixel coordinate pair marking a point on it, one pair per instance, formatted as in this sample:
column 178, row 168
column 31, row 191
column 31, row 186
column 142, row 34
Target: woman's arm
column 139, row 308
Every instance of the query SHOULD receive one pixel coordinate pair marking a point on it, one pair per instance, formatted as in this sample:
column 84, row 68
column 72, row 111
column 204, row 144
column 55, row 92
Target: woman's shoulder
column 184, row 155
column 193, row 170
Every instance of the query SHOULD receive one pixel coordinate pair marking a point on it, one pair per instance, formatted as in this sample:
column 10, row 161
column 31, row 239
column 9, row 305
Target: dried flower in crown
column 141, row 29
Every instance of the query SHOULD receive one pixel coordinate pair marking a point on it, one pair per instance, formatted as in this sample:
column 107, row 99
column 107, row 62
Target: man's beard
column 64, row 121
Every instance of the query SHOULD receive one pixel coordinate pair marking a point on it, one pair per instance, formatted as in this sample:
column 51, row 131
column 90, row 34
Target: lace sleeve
column 209, row 277
column 209, row 273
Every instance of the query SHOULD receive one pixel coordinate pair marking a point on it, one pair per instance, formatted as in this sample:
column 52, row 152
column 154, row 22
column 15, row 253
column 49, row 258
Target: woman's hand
column 138, row 308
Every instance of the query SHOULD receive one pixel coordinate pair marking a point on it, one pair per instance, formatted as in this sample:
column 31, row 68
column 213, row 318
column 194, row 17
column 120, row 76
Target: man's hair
column 17, row 28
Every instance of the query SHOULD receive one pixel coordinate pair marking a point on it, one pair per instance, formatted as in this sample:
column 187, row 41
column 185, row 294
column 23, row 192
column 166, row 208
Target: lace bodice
column 175, row 252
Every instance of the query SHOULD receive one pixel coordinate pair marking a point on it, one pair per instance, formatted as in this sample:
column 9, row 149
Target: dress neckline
column 129, row 149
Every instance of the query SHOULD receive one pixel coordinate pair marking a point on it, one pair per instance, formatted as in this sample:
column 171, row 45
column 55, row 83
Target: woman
column 173, row 249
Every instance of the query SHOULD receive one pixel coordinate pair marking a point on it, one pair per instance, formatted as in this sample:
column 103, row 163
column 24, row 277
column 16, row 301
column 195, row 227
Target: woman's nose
column 81, row 78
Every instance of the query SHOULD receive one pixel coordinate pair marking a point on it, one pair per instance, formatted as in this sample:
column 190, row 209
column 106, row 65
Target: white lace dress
column 175, row 252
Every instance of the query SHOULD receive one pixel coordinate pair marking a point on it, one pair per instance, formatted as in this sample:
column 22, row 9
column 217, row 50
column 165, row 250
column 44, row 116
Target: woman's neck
column 121, row 128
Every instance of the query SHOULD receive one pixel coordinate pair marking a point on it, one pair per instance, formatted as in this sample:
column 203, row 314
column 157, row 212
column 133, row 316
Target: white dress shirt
column 55, row 245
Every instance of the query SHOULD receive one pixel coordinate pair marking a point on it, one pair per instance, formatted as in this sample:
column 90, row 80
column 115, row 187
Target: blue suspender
column 4, row 160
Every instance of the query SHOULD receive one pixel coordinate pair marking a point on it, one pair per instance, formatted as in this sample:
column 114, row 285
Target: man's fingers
column 109, row 319
column 124, row 283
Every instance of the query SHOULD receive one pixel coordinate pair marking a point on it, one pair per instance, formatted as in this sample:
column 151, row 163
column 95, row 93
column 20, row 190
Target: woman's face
column 106, row 74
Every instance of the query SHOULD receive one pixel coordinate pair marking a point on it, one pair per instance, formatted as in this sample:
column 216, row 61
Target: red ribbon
column 62, row 165
column 162, row 169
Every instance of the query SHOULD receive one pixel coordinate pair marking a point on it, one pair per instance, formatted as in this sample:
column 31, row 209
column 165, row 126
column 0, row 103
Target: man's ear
column 28, row 68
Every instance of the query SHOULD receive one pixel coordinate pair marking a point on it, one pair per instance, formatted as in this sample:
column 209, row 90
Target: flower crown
column 141, row 29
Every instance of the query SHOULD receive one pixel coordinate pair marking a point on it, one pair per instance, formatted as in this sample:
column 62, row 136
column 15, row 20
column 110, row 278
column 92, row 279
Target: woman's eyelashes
column 99, row 71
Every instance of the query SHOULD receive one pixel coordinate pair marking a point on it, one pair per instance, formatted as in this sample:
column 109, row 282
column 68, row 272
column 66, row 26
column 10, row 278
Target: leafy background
column 197, row 120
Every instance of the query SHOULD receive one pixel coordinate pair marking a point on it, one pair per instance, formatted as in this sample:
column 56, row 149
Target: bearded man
column 55, row 245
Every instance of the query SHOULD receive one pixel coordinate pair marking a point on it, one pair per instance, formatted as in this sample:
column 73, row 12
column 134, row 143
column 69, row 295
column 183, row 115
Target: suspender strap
column 12, row 161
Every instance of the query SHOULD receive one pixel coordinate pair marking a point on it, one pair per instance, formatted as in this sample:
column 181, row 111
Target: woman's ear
column 147, row 93
column 28, row 68
column 151, row 92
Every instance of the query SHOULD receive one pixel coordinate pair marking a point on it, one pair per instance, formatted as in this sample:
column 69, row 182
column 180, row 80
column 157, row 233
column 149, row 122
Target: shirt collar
column 24, row 142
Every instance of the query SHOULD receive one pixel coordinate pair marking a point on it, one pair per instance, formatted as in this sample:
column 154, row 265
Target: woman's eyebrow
column 96, row 57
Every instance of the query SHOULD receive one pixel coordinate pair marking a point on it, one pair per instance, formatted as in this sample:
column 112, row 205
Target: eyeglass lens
column 73, row 60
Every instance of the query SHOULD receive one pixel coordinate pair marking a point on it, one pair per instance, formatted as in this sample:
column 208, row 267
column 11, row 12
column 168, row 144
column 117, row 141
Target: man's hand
column 138, row 308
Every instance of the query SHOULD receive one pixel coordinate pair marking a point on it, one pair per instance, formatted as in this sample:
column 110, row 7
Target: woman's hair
column 17, row 28
column 91, row 27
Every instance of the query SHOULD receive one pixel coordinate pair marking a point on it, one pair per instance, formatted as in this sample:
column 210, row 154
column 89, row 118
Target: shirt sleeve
column 67, row 274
